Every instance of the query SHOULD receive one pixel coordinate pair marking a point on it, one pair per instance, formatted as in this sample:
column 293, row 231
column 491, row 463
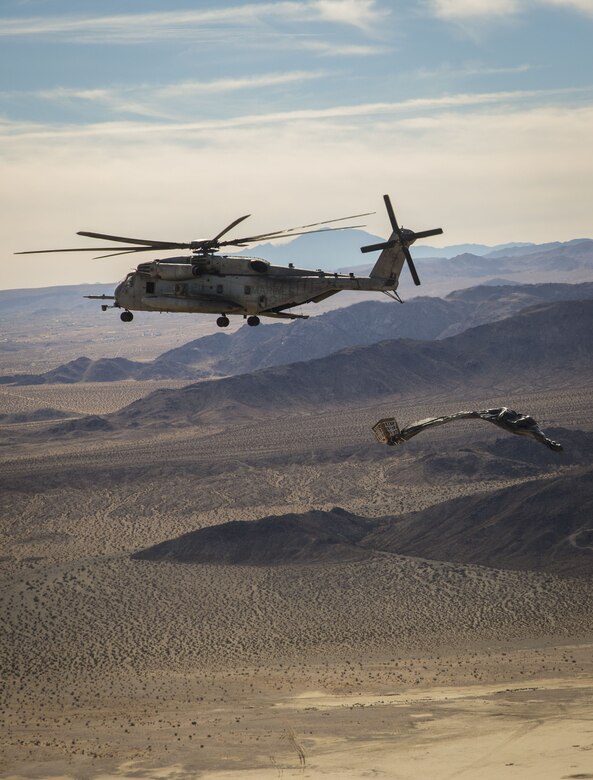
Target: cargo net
column 387, row 430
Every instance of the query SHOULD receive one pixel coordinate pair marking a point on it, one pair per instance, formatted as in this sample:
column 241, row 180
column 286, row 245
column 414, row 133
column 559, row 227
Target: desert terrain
column 379, row 665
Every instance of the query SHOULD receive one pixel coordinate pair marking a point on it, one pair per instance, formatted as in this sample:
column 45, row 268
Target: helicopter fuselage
column 232, row 284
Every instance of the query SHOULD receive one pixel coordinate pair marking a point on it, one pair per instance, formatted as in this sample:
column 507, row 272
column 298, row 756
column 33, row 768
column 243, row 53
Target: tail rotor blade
column 428, row 233
column 377, row 247
column 391, row 214
column 411, row 265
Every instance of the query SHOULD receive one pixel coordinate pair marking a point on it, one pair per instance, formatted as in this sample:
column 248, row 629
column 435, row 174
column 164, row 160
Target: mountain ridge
column 543, row 345
column 533, row 344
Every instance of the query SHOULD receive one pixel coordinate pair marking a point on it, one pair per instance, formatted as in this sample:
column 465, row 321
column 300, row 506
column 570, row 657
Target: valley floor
column 394, row 667
column 526, row 713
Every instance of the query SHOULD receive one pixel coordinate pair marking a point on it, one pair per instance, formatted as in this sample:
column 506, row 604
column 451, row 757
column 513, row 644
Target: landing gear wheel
column 223, row 322
column 126, row 316
column 253, row 321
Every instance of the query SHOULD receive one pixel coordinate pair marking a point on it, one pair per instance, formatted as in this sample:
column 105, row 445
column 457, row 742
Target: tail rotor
column 402, row 238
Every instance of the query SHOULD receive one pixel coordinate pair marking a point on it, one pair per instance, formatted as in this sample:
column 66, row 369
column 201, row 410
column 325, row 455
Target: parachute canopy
column 388, row 431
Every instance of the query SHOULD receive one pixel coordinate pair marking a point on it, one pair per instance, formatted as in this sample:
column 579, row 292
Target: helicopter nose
column 119, row 293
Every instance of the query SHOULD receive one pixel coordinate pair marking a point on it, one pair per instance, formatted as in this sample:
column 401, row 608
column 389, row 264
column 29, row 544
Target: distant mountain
column 83, row 369
column 328, row 250
column 542, row 346
column 541, row 525
column 518, row 250
column 339, row 249
column 249, row 349
column 366, row 323
column 50, row 299
column 539, row 261
column 481, row 250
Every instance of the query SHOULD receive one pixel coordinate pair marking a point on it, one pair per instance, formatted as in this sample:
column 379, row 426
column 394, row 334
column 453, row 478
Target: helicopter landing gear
column 223, row 322
column 126, row 316
column 253, row 320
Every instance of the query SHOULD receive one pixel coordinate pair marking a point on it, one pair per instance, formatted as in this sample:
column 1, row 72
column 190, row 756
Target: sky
column 167, row 120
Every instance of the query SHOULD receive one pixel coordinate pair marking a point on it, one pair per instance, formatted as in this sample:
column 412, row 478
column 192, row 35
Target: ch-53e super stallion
column 210, row 282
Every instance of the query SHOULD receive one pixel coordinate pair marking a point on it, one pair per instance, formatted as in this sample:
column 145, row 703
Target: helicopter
column 207, row 281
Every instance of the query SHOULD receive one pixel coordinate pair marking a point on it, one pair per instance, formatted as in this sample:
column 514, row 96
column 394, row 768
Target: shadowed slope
column 543, row 525
column 307, row 538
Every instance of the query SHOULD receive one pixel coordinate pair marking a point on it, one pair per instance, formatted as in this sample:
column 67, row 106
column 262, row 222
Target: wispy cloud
column 163, row 101
column 460, row 10
column 236, row 84
column 470, row 70
column 367, row 112
column 335, row 49
column 363, row 14
column 584, row 6
column 183, row 25
column 464, row 9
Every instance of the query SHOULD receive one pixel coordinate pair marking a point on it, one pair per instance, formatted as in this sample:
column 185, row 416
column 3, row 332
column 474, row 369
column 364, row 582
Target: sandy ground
column 530, row 728
column 85, row 398
column 395, row 667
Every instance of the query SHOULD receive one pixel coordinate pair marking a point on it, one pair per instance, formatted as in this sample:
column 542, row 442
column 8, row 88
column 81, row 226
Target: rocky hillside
column 542, row 525
column 546, row 345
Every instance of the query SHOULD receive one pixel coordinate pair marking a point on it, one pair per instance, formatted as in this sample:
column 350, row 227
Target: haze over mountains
column 341, row 250
column 249, row 349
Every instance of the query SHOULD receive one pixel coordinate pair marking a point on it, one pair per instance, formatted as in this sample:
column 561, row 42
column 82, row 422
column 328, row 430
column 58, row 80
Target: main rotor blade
column 88, row 249
column 146, row 242
column 279, row 234
column 126, row 251
column 291, row 231
column 327, row 222
column 148, row 245
column 229, row 227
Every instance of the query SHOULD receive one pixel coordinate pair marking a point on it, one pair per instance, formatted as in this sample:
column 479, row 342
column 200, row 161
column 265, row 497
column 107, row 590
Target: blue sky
column 168, row 120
